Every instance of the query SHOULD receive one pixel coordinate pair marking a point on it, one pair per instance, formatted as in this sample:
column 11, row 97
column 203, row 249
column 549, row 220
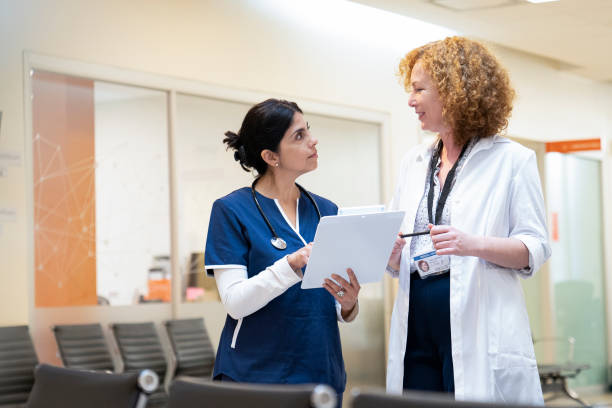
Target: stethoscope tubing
column 275, row 237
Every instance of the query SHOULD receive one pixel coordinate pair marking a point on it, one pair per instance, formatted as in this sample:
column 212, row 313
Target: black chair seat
column 569, row 370
column 374, row 399
column 188, row 392
column 60, row 387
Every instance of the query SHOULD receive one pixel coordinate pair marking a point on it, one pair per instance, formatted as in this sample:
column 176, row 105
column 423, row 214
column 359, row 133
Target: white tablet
column 360, row 242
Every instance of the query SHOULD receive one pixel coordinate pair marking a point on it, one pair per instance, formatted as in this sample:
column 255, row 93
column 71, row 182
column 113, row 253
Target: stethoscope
column 278, row 242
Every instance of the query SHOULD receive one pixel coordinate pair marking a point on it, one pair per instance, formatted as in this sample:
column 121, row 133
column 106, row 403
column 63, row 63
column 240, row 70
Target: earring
column 276, row 165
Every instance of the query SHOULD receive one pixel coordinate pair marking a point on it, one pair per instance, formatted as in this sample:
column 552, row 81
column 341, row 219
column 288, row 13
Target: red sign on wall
column 567, row 146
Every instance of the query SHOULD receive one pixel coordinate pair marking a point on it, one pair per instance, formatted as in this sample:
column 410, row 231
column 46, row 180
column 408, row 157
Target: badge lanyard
column 448, row 184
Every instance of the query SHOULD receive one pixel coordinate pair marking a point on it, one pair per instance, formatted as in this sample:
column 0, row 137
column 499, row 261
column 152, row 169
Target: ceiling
column 576, row 35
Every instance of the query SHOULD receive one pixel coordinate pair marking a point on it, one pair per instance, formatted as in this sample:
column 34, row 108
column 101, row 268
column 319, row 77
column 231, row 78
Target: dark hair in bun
column 263, row 128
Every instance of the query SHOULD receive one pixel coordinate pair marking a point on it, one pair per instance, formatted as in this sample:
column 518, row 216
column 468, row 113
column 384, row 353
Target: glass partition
column 205, row 171
column 101, row 202
column 576, row 264
column 132, row 198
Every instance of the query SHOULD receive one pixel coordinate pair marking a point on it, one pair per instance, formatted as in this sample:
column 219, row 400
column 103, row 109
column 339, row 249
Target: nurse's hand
column 448, row 240
column 344, row 292
column 396, row 253
column 299, row 258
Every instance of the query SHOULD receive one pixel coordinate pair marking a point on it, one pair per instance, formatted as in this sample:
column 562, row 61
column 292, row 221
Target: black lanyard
column 448, row 184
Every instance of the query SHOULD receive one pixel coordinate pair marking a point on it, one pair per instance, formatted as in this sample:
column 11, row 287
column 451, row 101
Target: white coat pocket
column 508, row 320
column 518, row 385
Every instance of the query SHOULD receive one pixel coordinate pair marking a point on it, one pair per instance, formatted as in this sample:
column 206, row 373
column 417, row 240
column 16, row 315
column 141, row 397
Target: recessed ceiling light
column 541, row 1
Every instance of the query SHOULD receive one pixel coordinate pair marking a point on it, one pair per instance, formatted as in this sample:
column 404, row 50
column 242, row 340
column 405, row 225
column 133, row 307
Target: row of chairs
column 58, row 387
column 61, row 387
column 84, row 347
column 137, row 388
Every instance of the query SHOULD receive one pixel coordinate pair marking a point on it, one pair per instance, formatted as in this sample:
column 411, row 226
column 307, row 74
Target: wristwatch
column 391, row 270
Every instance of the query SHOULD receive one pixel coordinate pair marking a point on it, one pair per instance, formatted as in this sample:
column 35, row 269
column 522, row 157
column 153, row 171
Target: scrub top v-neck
column 295, row 337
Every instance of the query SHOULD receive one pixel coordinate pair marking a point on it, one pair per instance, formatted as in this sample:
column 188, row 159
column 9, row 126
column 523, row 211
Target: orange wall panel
column 64, row 190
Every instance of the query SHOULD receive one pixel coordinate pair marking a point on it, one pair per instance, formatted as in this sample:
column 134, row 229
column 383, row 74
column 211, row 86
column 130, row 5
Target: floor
column 594, row 400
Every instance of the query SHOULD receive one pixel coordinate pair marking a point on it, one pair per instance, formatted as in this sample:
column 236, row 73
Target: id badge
column 430, row 264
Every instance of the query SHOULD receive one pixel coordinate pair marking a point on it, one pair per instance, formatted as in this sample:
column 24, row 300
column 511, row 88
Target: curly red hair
column 474, row 88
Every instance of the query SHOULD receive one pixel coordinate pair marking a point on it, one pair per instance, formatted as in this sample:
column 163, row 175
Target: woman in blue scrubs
column 258, row 244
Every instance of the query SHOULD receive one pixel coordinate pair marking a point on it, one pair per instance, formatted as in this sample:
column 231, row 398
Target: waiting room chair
column 60, row 387
column 83, row 346
column 192, row 348
column 197, row 393
column 17, row 362
column 554, row 378
column 141, row 349
column 378, row 399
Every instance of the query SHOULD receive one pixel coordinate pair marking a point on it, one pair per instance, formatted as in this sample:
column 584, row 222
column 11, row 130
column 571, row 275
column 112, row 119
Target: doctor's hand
column 396, row 253
column 299, row 258
column 344, row 292
column 448, row 240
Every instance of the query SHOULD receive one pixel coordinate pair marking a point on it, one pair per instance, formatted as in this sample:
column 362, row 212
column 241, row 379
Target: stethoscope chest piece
column 278, row 243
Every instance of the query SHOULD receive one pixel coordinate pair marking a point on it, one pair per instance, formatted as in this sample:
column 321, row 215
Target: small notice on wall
column 10, row 158
column 8, row 214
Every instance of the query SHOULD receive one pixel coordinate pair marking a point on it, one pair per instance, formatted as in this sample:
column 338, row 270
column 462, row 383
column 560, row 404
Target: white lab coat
column 498, row 194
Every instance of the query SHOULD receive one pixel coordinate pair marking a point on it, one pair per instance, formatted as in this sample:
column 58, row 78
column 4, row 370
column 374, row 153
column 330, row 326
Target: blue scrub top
column 294, row 338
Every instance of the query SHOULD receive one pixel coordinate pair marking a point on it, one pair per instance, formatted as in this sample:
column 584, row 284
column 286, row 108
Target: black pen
column 414, row 234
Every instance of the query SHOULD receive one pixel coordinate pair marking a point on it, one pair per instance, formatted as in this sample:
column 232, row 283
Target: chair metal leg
column 573, row 394
column 142, row 401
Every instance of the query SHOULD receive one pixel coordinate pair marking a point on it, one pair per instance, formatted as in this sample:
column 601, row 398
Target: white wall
column 555, row 105
column 309, row 53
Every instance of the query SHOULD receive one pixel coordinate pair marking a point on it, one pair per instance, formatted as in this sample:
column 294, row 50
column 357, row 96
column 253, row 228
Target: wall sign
column 568, row 146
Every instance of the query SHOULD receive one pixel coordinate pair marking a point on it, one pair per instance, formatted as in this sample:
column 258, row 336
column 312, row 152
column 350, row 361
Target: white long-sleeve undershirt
column 243, row 296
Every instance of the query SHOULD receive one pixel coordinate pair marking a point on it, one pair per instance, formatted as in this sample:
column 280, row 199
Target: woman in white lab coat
column 460, row 325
